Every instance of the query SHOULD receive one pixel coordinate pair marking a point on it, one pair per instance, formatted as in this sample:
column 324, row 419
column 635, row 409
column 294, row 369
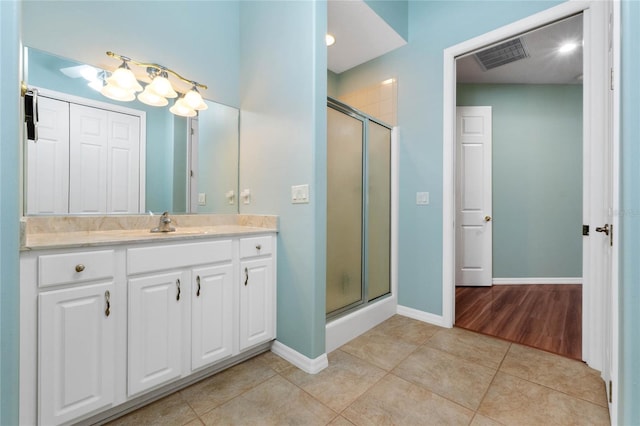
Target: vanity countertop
column 50, row 233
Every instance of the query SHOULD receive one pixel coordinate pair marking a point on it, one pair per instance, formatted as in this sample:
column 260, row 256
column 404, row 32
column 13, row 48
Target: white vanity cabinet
column 155, row 330
column 104, row 329
column 212, row 315
column 257, row 292
column 77, row 333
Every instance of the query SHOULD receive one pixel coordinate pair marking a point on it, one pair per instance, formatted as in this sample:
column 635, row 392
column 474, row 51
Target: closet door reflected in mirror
column 358, row 209
column 85, row 160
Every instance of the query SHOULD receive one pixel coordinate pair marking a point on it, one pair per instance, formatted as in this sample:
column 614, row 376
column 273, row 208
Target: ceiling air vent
column 501, row 54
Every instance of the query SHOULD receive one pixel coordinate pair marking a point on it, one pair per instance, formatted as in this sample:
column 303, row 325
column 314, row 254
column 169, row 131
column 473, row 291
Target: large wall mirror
column 181, row 165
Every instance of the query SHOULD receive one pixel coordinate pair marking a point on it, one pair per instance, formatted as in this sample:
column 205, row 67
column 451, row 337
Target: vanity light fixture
column 122, row 85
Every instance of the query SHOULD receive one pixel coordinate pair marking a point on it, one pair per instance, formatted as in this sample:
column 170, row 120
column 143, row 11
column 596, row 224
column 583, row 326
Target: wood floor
column 547, row 317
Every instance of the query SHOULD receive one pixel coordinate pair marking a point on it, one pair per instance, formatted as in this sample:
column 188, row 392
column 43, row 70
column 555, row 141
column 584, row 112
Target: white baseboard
column 422, row 316
column 348, row 327
column 308, row 365
column 545, row 280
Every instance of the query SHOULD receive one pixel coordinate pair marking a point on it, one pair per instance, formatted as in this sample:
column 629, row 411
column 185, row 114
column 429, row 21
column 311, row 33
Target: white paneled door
column 104, row 161
column 88, row 160
column 473, row 196
column 48, row 160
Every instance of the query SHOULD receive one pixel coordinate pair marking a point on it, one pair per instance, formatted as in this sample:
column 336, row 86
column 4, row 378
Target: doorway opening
column 598, row 172
column 519, row 150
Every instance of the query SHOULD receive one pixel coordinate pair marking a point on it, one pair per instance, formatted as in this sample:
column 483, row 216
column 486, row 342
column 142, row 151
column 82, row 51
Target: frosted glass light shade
column 125, row 79
column 194, row 100
column 161, row 86
column 182, row 109
column 117, row 93
column 150, row 97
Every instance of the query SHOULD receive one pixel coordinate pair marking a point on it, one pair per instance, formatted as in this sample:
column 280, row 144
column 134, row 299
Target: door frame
column 596, row 311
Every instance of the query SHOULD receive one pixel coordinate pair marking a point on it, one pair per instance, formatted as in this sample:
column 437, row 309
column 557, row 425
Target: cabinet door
column 212, row 315
column 76, row 336
column 155, row 330
column 256, row 302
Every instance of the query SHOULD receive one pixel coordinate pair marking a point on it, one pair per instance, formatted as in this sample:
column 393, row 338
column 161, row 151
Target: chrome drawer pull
column 107, row 298
column 198, row 281
column 178, row 285
column 79, row 267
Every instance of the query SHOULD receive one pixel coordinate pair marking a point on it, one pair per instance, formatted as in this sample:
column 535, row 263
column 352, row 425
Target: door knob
column 487, row 218
column 604, row 229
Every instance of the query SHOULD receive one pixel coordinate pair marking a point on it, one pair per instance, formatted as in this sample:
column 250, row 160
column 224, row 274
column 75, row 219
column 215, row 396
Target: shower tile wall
column 379, row 101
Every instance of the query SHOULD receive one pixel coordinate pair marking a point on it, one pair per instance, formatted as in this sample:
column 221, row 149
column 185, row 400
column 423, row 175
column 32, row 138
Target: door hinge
column 610, row 391
column 585, row 229
column 192, row 131
column 611, row 79
column 611, row 235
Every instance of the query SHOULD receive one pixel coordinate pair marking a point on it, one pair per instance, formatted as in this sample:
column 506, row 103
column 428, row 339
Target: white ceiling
column 544, row 66
column 361, row 35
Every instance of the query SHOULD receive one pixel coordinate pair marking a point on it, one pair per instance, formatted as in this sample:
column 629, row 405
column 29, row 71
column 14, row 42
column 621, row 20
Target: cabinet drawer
column 159, row 258
column 66, row 268
column 256, row 246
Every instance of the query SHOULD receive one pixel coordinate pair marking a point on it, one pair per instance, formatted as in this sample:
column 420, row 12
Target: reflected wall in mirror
column 180, row 170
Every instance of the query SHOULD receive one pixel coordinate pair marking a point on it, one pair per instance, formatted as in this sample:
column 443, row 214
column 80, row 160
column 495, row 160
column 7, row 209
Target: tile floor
column 402, row 372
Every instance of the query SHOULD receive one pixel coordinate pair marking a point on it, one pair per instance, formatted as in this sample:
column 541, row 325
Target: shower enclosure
column 358, row 209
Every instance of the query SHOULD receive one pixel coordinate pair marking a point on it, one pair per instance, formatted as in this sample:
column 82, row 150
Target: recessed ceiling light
column 568, row 47
column 330, row 40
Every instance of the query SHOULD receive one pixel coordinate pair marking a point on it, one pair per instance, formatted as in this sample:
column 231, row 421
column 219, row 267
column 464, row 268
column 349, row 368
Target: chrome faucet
column 165, row 224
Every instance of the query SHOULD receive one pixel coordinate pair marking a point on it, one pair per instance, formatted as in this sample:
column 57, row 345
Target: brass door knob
column 487, row 218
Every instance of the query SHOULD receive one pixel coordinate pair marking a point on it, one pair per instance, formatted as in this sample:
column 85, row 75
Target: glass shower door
column 358, row 209
column 344, row 210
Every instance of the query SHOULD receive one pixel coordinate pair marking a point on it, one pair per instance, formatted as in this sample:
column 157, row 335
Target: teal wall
column 629, row 296
column 218, row 158
column 198, row 39
column 433, row 26
column 9, row 211
column 537, row 177
column 394, row 12
column 333, row 80
column 179, row 166
column 283, row 91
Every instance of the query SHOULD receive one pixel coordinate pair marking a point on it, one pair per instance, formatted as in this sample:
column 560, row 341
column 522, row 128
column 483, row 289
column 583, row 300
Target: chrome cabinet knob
column 79, row 267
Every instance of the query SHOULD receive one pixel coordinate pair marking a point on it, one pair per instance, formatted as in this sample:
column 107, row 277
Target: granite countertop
column 40, row 233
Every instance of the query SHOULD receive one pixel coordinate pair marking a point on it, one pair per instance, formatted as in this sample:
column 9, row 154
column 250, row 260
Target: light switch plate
column 300, row 194
column 422, row 198
column 202, row 199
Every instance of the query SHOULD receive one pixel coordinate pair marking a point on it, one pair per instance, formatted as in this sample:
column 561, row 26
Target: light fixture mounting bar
column 158, row 67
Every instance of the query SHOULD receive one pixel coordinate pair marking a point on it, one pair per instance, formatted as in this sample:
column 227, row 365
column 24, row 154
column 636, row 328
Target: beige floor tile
column 393, row 401
column 379, row 349
column 277, row 364
column 172, row 410
column 340, row 421
column 274, row 402
column 218, row 389
column 473, row 347
column 512, row 400
column 563, row 374
column 406, row 329
column 342, row 382
column 196, row 422
column 447, row 375
column 480, row 420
